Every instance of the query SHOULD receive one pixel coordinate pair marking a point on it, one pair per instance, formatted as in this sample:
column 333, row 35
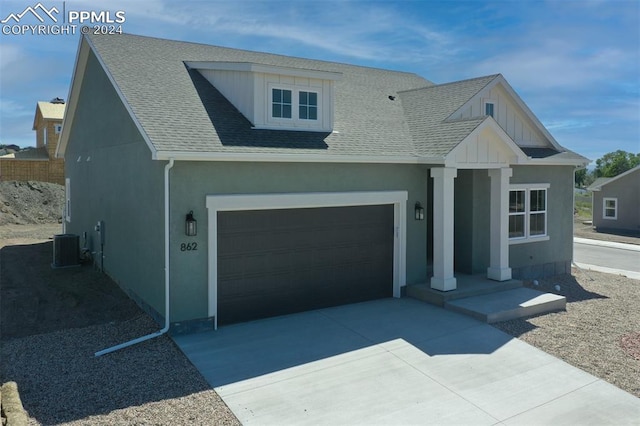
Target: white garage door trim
column 218, row 203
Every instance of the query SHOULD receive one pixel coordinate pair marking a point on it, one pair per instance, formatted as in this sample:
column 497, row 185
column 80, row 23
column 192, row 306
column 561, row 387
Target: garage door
column 275, row 262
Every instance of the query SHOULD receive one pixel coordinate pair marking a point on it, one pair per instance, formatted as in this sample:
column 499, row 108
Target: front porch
column 488, row 300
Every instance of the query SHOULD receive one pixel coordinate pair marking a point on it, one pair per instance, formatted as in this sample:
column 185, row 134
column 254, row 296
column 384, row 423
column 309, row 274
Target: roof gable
column 600, row 182
column 513, row 115
column 48, row 111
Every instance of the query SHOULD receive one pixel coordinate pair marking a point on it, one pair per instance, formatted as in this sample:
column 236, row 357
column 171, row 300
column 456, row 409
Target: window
column 57, row 128
column 488, row 108
column 610, row 208
column 281, row 103
column 527, row 212
column 308, row 105
column 299, row 107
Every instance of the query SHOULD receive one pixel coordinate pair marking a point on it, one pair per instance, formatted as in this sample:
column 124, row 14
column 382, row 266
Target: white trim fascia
column 294, row 158
column 239, row 202
column 504, row 137
column 557, row 162
column 263, row 68
column 76, row 79
column 636, row 168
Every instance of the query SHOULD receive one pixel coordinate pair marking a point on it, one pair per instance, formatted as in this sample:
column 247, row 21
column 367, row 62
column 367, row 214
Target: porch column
column 443, row 278
column 499, row 269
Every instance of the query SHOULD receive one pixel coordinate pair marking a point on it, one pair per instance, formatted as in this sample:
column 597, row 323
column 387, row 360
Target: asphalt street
column 610, row 257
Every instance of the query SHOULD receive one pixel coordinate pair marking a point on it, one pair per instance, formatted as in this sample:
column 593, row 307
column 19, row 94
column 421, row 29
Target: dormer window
column 274, row 97
column 294, row 105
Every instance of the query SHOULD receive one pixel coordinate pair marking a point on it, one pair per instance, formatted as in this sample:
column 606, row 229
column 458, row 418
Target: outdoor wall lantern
column 419, row 211
column 191, row 225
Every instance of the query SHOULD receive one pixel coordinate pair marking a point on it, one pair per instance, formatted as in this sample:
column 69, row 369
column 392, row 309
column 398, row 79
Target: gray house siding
column 626, row 190
column 191, row 182
column 113, row 179
column 546, row 258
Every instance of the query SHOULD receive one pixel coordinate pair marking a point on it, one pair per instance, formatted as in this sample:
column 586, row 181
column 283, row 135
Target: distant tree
column 614, row 163
column 580, row 176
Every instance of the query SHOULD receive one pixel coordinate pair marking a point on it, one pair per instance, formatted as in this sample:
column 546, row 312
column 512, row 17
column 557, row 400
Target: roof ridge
column 302, row 58
column 436, row 86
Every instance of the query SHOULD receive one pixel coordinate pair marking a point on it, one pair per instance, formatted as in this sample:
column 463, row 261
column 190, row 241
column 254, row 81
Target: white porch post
column 443, row 278
column 499, row 225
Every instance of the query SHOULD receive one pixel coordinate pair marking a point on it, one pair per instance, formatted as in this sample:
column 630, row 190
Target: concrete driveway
column 396, row 361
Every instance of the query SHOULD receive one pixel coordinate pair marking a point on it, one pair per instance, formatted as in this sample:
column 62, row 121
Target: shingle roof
column 377, row 113
column 51, row 111
column 153, row 78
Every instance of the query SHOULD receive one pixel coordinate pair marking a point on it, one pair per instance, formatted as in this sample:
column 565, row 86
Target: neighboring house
column 312, row 183
column 40, row 163
column 616, row 202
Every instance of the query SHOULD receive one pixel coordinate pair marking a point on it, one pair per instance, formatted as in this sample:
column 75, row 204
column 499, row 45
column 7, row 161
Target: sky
column 575, row 63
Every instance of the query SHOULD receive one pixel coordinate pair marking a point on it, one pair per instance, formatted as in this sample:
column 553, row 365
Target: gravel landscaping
column 53, row 321
column 598, row 333
column 49, row 350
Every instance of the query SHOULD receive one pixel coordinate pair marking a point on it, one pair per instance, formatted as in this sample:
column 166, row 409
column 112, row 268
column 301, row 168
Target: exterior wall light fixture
column 419, row 211
column 191, row 225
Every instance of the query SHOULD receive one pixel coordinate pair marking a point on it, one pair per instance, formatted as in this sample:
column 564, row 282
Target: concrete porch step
column 508, row 304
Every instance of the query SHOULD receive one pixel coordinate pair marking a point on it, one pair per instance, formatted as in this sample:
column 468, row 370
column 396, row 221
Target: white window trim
column 57, row 128
column 67, row 204
column 527, row 213
column 239, row 202
column 295, row 120
column 604, row 208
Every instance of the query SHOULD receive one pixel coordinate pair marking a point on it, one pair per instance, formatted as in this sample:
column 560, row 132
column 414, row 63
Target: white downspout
column 166, row 274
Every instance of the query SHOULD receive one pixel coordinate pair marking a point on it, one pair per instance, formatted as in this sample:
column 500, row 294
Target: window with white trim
column 307, row 105
column 295, row 105
column 280, row 103
column 610, row 208
column 57, row 128
column 528, row 212
column 489, row 108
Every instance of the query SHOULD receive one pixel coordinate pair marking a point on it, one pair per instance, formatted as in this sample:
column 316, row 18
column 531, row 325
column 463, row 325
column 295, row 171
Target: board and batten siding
column 238, row 87
column 249, row 93
column 508, row 115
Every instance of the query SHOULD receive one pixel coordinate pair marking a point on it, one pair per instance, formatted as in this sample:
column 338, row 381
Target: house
column 248, row 184
column 616, row 202
column 40, row 163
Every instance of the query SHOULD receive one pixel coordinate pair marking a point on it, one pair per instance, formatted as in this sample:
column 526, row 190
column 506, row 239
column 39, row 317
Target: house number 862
column 188, row 246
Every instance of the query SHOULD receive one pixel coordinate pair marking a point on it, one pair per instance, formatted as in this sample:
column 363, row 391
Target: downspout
column 166, row 274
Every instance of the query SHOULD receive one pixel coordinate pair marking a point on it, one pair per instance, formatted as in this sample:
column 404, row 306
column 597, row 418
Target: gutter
column 167, row 323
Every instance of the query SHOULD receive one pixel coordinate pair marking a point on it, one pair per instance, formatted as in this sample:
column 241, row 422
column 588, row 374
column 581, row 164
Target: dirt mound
column 30, row 202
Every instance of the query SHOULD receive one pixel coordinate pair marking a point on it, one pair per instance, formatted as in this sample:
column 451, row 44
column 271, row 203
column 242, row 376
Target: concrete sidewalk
column 396, row 361
column 607, row 269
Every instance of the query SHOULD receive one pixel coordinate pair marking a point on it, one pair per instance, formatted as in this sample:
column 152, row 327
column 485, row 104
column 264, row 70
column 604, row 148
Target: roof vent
column 57, row 101
column 392, row 98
